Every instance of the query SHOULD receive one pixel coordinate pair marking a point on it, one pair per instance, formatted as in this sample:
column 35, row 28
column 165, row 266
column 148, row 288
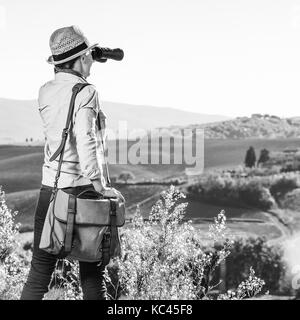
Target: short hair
column 68, row 64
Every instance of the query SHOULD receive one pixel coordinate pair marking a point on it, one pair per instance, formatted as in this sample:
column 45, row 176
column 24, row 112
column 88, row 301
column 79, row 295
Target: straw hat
column 68, row 43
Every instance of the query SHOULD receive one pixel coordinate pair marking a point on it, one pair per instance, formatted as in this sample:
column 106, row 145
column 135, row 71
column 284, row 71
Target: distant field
column 20, row 175
column 24, row 202
column 197, row 209
column 244, row 230
column 7, row 152
column 227, row 153
column 20, row 166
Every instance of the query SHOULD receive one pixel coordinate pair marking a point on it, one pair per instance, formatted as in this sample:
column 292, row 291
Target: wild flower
column 247, row 289
column 163, row 258
column 65, row 283
column 14, row 270
column 13, row 266
column 8, row 228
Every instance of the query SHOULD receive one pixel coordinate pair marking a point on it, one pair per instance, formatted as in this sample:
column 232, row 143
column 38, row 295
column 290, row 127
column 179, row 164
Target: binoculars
column 102, row 54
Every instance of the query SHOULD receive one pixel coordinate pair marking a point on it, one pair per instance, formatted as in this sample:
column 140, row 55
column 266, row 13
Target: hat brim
column 51, row 61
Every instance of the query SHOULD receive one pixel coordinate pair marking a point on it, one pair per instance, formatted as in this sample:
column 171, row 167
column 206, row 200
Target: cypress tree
column 250, row 158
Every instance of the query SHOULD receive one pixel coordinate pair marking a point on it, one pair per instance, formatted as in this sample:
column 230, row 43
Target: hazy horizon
column 170, row 107
column 130, row 104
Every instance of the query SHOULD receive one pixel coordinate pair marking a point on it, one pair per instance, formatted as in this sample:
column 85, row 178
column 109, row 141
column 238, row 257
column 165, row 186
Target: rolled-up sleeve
column 85, row 133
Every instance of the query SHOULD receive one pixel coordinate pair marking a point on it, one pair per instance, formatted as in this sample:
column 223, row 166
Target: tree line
column 250, row 158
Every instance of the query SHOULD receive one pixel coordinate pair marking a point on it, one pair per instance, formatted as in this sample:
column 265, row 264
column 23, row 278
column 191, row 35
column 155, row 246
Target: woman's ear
column 82, row 58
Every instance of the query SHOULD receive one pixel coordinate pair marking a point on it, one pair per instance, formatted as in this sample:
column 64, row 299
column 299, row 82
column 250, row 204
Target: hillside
column 20, row 119
column 255, row 127
column 21, row 169
column 21, row 166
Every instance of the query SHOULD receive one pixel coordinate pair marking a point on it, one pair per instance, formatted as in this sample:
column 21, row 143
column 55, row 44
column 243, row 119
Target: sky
column 228, row 57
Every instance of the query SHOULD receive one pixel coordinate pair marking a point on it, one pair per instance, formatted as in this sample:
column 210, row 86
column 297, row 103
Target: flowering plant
column 247, row 289
column 164, row 258
column 14, row 266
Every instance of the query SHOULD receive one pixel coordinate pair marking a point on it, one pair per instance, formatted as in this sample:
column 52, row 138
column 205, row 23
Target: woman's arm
column 86, row 139
column 85, row 134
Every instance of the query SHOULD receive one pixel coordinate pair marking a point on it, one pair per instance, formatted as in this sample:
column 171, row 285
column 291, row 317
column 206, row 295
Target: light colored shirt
column 83, row 156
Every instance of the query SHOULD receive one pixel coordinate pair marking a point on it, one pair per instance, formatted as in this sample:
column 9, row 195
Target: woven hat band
column 70, row 53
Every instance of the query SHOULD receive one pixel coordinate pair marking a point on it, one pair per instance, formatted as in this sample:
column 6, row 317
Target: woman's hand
column 112, row 192
column 106, row 191
column 98, row 184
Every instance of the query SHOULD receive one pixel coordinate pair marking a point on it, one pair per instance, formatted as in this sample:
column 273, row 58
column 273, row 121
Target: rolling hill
column 255, row 127
column 21, row 166
column 20, row 119
column 20, row 174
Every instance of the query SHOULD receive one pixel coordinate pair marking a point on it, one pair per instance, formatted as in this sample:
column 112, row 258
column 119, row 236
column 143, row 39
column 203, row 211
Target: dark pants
column 43, row 263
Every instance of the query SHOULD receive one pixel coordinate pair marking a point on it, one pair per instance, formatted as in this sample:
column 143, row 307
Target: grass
column 197, row 208
column 136, row 193
column 24, row 202
column 244, row 230
column 9, row 151
column 21, row 173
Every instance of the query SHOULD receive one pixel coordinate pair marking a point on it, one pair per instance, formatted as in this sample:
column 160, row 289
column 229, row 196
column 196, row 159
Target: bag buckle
column 64, row 132
column 106, row 235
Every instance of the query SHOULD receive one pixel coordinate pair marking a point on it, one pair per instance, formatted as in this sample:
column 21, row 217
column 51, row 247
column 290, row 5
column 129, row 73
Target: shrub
column 8, row 229
column 267, row 261
column 261, row 191
column 126, row 175
column 246, row 289
column 254, row 194
column 14, row 266
column 284, row 184
column 13, row 274
column 164, row 258
column 225, row 190
column 291, row 200
column 261, row 171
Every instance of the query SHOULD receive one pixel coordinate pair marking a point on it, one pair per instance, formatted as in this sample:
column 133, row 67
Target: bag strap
column 70, row 224
column 113, row 226
column 60, row 151
column 110, row 238
column 67, row 248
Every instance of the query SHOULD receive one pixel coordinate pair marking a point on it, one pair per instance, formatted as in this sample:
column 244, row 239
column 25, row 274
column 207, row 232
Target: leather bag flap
column 88, row 211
